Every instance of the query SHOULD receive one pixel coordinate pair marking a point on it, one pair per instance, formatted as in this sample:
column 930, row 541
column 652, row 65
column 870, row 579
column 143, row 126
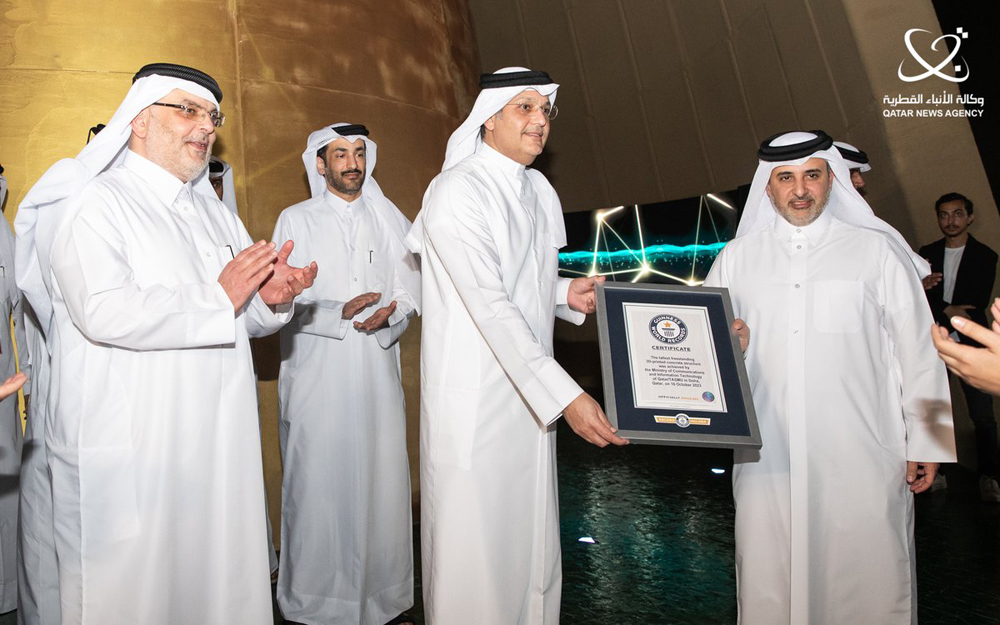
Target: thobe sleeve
column 717, row 276
column 321, row 317
column 17, row 311
column 399, row 320
column 23, row 360
column 90, row 266
column 935, row 296
column 563, row 311
column 259, row 318
column 460, row 236
column 926, row 399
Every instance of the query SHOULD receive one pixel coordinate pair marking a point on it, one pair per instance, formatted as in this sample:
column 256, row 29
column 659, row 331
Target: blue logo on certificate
column 708, row 396
column 668, row 329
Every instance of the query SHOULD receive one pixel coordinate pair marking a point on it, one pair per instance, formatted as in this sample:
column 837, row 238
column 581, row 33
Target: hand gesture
column 11, row 384
column 581, row 296
column 979, row 366
column 958, row 310
column 378, row 320
column 243, row 275
column 932, row 280
column 587, row 419
column 920, row 475
column 359, row 303
column 286, row 282
column 742, row 330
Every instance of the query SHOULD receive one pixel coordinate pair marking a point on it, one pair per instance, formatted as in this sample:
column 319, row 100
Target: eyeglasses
column 195, row 113
column 528, row 109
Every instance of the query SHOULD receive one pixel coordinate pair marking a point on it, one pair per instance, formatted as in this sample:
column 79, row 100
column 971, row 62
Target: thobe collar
column 511, row 169
column 813, row 232
column 341, row 206
column 166, row 186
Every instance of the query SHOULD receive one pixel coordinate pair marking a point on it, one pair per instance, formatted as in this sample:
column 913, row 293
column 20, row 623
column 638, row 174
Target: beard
column 170, row 150
column 804, row 217
column 338, row 183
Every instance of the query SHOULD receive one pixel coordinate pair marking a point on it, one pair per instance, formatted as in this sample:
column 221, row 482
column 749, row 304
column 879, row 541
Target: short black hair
column 321, row 153
column 951, row 197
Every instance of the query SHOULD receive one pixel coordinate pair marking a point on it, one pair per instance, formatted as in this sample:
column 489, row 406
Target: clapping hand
column 286, row 282
column 378, row 320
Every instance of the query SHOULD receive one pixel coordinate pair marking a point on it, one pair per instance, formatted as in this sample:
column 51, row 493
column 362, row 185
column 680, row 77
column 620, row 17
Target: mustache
column 350, row 171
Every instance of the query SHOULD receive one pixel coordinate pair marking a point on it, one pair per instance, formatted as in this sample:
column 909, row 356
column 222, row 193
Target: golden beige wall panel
column 393, row 50
column 680, row 156
column 762, row 77
column 850, row 77
column 627, row 164
column 805, row 67
column 723, row 120
column 579, row 151
column 737, row 11
column 704, row 25
column 672, row 123
column 114, row 35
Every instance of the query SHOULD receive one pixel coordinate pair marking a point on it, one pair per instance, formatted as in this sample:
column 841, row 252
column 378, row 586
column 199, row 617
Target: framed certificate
column 673, row 369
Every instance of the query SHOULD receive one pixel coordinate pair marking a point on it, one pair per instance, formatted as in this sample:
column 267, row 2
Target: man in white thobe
column 346, row 527
column 37, row 571
column 153, row 440
column 10, row 419
column 853, row 407
column 220, row 175
column 857, row 163
column 489, row 234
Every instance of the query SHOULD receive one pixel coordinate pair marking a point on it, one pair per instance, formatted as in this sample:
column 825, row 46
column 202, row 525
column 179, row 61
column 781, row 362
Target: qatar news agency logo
column 951, row 68
column 959, row 68
column 668, row 329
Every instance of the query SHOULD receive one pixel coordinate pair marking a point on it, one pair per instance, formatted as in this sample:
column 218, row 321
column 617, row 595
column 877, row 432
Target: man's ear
column 972, row 218
column 140, row 125
column 490, row 123
column 320, row 165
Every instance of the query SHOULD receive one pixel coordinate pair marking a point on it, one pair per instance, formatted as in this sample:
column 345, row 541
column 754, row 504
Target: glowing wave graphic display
column 676, row 262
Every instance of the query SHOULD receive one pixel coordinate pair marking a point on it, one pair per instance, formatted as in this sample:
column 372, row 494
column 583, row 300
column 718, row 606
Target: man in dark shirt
column 960, row 285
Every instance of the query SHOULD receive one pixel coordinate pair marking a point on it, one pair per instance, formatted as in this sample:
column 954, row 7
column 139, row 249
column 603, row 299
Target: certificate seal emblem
column 708, row 396
column 683, row 420
column 668, row 329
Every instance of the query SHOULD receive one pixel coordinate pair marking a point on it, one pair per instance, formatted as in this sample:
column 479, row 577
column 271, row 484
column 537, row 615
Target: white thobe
column 10, row 420
column 38, row 573
column 847, row 387
column 153, row 440
column 490, row 393
column 346, row 525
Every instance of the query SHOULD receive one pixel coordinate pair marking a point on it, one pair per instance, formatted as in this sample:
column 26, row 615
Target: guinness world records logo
column 668, row 329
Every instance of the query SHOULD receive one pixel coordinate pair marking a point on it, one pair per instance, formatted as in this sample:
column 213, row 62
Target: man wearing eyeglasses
column 153, row 290
column 491, row 392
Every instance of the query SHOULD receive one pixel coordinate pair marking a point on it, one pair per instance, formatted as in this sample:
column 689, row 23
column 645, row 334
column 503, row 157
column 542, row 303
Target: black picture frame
column 730, row 423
